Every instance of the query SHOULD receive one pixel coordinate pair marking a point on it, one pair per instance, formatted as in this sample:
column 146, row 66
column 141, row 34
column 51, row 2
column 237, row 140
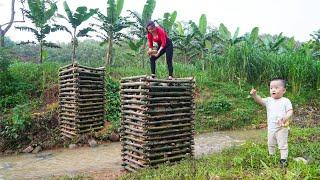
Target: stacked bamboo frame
column 81, row 99
column 157, row 121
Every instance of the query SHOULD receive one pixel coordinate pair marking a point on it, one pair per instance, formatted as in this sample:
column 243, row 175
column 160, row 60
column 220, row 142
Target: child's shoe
column 283, row 162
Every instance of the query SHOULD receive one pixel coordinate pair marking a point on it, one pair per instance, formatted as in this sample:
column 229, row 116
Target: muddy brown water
column 105, row 157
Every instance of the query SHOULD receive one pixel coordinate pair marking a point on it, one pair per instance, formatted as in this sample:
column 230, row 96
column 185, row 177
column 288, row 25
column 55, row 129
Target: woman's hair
column 150, row 23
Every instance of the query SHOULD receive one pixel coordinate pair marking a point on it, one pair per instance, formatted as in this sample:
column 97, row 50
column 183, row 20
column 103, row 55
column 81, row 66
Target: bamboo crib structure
column 157, row 121
column 81, row 99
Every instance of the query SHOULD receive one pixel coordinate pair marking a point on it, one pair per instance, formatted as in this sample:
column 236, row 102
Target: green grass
column 248, row 161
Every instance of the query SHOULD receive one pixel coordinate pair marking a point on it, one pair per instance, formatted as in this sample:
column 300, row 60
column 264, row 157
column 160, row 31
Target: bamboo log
column 133, row 118
column 91, row 68
column 168, row 94
column 132, row 123
column 143, row 164
column 168, row 147
column 170, row 98
column 91, row 95
column 73, row 75
column 129, row 84
column 126, row 147
column 68, row 84
column 127, row 153
column 141, row 108
column 186, row 80
column 90, row 121
column 89, row 74
column 170, row 116
column 69, row 123
column 168, row 136
column 123, row 91
column 68, row 118
column 126, row 167
column 169, row 121
column 90, row 82
column 133, row 102
column 141, row 97
column 169, row 104
column 174, row 110
column 157, row 161
column 92, row 99
column 68, row 132
column 67, row 66
column 134, row 134
column 133, row 78
column 91, row 129
column 169, row 126
column 90, row 116
column 133, row 139
column 68, row 80
column 90, row 104
column 134, row 129
column 152, row 143
column 81, row 91
column 68, row 128
column 81, row 126
column 129, row 112
column 90, row 86
column 132, row 144
column 82, row 112
column 164, row 154
column 169, row 131
column 67, row 135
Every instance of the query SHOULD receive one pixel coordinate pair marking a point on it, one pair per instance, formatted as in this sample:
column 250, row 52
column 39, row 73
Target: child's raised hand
column 253, row 92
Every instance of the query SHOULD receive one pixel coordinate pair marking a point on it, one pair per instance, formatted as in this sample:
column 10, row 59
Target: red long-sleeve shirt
column 161, row 38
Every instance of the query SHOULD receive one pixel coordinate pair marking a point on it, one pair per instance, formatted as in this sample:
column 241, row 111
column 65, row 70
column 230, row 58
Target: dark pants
column 168, row 49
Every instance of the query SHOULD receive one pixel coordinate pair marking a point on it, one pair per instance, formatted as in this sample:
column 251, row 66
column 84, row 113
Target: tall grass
column 245, row 62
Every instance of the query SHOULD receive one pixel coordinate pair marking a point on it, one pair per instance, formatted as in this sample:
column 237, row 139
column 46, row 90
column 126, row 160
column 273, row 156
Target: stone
column 114, row 137
column 92, row 143
column 72, row 146
column 29, row 149
column 301, row 159
column 37, row 150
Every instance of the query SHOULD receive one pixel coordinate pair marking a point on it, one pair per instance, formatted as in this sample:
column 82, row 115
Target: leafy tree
column 75, row 20
column 40, row 16
column 4, row 28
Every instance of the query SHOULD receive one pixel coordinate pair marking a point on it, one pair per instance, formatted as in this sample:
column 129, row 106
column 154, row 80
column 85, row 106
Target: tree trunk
column 109, row 53
column 1, row 37
column 203, row 61
column 74, row 43
column 9, row 24
column 41, row 52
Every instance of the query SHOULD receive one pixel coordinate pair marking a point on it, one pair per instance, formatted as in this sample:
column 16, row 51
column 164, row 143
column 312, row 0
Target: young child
column 279, row 111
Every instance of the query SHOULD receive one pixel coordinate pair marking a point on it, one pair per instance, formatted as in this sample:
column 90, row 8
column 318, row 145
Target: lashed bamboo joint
column 81, row 99
column 157, row 121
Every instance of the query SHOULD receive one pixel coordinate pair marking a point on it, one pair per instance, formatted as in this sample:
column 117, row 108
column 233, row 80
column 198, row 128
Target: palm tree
column 75, row 20
column 40, row 16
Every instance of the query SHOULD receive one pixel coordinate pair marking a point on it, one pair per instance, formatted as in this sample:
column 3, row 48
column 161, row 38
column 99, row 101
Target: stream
column 105, row 157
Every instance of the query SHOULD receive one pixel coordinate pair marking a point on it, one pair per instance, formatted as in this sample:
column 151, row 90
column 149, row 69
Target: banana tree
column 40, row 16
column 225, row 39
column 202, row 39
column 273, row 43
column 111, row 26
column 168, row 21
column 75, row 20
column 138, row 27
column 182, row 38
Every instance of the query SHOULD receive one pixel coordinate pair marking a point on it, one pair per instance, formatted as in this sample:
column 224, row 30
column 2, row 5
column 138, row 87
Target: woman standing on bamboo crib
column 158, row 35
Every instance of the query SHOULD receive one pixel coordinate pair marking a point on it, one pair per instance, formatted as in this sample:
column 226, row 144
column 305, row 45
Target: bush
column 112, row 100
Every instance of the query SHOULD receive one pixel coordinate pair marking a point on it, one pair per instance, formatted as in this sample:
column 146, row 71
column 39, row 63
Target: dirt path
column 104, row 160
